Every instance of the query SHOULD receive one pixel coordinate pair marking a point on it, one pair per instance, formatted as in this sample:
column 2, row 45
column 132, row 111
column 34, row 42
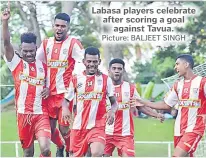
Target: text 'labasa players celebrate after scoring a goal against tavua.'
column 189, row 93
column 92, row 88
column 30, row 91
column 61, row 53
column 121, row 133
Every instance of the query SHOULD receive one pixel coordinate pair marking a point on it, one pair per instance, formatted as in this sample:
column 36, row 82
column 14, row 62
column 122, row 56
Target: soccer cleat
column 67, row 154
column 60, row 152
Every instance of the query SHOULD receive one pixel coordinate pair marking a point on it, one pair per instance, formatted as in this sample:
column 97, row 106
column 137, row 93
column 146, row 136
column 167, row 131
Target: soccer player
column 61, row 53
column 92, row 89
column 30, row 91
column 190, row 94
column 121, row 133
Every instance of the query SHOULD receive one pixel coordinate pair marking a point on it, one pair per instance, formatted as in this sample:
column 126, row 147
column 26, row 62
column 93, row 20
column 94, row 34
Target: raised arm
column 9, row 51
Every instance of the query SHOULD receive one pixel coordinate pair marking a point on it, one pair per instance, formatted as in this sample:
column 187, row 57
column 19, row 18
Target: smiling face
column 91, row 63
column 61, row 28
column 28, row 52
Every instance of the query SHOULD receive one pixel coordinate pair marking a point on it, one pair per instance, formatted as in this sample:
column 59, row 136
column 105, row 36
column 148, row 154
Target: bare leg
column 65, row 132
column 178, row 152
column 53, row 123
column 88, row 154
column 97, row 149
column 29, row 152
column 44, row 144
column 56, row 139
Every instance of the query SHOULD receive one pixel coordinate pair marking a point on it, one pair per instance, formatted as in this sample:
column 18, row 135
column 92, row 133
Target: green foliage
column 162, row 63
column 147, row 92
column 6, row 79
column 145, row 130
column 84, row 26
column 144, row 73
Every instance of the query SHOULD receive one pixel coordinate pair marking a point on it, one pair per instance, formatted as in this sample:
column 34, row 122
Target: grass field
column 145, row 130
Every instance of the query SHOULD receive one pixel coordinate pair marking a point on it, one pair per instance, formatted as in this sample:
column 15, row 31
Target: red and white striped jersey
column 190, row 95
column 123, row 124
column 29, row 80
column 61, row 57
column 91, row 93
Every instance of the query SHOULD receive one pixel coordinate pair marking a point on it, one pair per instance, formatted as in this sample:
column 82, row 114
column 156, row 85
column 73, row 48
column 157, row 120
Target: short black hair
column 116, row 60
column 92, row 51
column 63, row 16
column 188, row 58
column 28, row 37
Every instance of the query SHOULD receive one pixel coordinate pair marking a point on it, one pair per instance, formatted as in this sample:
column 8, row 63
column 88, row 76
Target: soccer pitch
column 145, row 130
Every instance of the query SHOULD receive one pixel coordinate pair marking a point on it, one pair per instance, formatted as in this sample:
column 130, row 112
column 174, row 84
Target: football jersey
column 123, row 124
column 191, row 100
column 91, row 92
column 61, row 57
column 29, row 82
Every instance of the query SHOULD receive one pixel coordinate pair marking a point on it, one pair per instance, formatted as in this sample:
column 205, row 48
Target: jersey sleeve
column 110, row 87
column 171, row 98
column 40, row 54
column 70, row 93
column 77, row 51
column 14, row 62
column 136, row 94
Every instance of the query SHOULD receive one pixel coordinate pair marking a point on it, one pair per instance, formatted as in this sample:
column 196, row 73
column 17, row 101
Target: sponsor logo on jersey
column 47, row 51
column 24, row 65
column 195, row 90
column 190, row 103
column 57, row 63
column 90, row 96
column 31, row 80
column 123, row 106
column 41, row 70
column 79, row 85
column 65, row 51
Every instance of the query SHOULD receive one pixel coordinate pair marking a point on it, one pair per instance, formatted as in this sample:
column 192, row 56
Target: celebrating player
column 91, row 88
column 30, row 91
column 61, row 53
column 121, row 133
column 190, row 94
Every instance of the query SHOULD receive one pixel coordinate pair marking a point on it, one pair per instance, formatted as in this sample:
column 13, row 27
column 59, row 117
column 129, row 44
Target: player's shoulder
column 47, row 38
column 39, row 63
column 204, row 80
column 128, row 84
column 78, row 75
column 105, row 76
column 74, row 39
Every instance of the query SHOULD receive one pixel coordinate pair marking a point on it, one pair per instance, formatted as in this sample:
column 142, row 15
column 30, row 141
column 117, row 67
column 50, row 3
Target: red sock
column 67, row 141
column 56, row 139
column 44, row 156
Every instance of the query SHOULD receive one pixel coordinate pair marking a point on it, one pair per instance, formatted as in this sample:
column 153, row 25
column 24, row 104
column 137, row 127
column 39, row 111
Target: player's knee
column 28, row 153
column 64, row 131
column 97, row 153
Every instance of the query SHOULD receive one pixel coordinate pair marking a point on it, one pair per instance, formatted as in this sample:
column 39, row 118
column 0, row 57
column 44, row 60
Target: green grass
column 145, row 130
